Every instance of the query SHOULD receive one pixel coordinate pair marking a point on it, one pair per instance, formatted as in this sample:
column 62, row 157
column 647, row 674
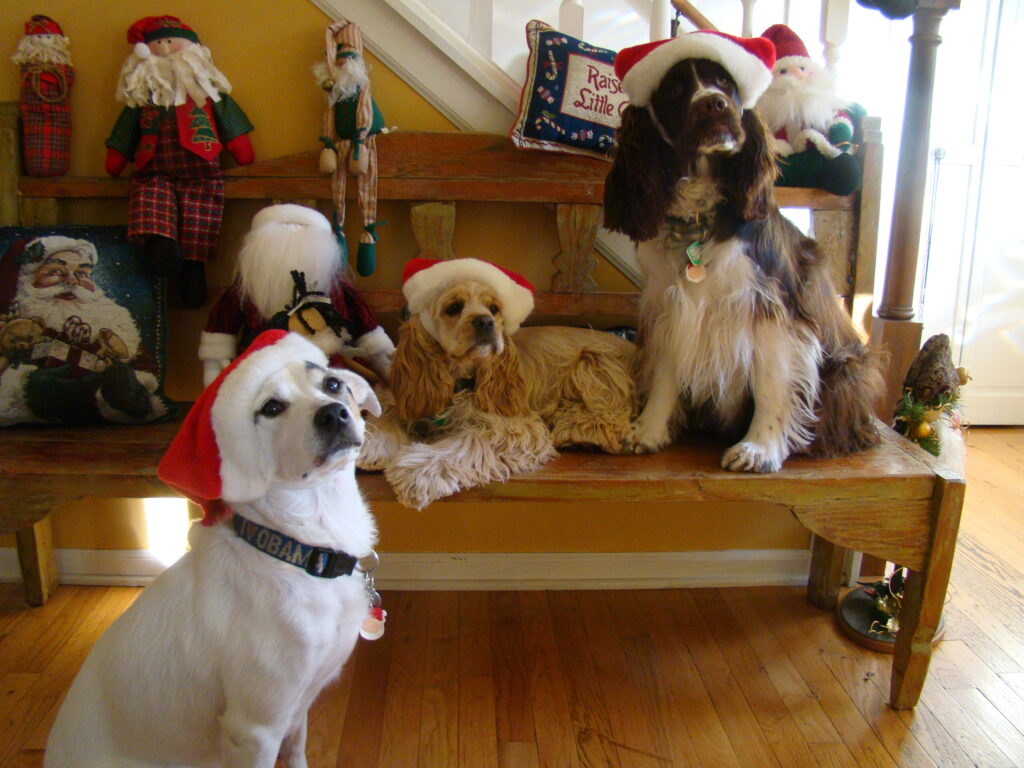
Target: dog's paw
column 645, row 439
column 751, row 457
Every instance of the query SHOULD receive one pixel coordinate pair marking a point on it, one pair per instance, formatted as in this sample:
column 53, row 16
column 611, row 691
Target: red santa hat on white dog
column 423, row 279
column 641, row 68
column 212, row 460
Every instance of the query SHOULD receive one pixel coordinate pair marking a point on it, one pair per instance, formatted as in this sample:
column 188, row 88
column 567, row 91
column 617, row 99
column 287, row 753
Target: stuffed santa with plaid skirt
column 177, row 119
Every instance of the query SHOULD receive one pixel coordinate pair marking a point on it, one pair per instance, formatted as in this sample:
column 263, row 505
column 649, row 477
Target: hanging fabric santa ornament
column 44, row 55
column 813, row 126
column 177, row 119
column 350, row 124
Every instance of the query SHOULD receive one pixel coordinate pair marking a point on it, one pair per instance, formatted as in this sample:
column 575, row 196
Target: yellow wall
column 266, row 48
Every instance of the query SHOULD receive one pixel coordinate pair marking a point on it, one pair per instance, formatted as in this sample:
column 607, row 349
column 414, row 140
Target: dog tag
column 373, row 624
column 696, row 273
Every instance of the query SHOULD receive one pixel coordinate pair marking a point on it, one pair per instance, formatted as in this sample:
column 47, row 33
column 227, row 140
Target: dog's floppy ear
column 363, row 393
column 421, row 379
column 499, row 386
column 641, row 182
column 750, row 174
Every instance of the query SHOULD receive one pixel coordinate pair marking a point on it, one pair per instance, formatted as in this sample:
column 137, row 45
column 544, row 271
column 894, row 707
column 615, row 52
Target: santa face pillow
column 82, row 329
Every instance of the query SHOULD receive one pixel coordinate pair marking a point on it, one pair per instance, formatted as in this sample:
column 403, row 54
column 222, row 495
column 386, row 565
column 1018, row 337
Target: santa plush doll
column 813, row 125
column 44, row 55
column 290, row 275
column 177, row 119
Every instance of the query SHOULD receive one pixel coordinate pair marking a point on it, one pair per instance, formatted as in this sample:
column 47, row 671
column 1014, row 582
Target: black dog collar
column 316, row 561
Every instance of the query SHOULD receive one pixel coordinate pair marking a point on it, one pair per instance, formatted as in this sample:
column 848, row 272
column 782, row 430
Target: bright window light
column 166, row 528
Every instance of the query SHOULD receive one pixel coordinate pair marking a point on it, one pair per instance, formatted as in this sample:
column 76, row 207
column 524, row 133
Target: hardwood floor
column 718, row 678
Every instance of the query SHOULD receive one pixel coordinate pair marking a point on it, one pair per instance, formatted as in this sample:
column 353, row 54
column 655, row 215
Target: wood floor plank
column 517, row 754
column 810, row 637
column 439, row 721
column 591, row 724
column 959, row 626
column 740, row 723
column 63, row 665
column 555, row 746
column 324, row 719
column 776, row 722
column 364, row 724
column 640, row 741
column 475, row 657
column 513, row 703
column 696, row 733
column 407, row 622
column 801, row 702
column 477, row 731
column 47, row 626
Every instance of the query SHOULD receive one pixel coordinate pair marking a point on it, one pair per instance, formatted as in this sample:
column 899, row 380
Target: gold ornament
column 963, row 374
column 922, row 430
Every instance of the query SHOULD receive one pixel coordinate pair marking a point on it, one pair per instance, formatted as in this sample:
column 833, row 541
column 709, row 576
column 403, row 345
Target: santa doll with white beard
column 77, row 370
column 290, row 275
column 44, row 55
column 813, row 126
column 177, row 119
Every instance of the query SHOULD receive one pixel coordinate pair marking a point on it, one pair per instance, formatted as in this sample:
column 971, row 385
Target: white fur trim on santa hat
column 795, row 61
column 289, row 213
column 749, row 72
column 57, row 243
column 241, row 476
column 375, row 341
column 421, row 288
column 217, row 346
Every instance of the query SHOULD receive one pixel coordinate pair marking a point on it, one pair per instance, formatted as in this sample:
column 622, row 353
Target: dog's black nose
column 483, row 324
column 713, row 104
column 330, row 418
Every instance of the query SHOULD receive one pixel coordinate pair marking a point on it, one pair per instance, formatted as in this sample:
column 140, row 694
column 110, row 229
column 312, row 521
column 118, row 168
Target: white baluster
column 835, row 15
column 748, row 18
column 570, row 17
column 660, row 19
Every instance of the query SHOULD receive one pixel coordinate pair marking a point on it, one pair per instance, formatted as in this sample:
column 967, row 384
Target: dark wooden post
column 894, row 328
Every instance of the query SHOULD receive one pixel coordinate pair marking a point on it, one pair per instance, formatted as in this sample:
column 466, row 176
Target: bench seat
column 892, row 501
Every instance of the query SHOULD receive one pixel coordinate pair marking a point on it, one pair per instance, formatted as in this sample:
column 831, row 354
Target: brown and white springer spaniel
column 741, row 329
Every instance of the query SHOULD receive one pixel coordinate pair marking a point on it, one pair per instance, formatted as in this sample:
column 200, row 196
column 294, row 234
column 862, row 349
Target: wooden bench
column 892, row 502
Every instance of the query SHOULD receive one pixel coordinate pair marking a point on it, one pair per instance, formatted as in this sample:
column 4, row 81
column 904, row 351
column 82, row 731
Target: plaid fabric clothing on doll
column 46, row 118
column 178, row 187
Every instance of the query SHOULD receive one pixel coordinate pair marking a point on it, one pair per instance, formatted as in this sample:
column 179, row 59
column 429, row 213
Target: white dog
column 217, row 661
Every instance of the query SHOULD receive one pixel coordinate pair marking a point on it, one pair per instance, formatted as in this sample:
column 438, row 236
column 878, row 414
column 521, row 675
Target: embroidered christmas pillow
column 82, row 329
column 571, row 100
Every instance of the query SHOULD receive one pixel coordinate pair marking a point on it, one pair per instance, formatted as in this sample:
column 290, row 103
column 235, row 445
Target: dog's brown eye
column 453, row 309
column 273, row 408
column 332, row 385
column 495, row 309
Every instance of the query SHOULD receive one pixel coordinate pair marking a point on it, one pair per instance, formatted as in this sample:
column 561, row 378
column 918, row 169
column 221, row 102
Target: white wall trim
column 497, row 571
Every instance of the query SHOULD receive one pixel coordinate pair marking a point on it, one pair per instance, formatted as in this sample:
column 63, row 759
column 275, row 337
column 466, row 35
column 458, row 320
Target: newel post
column 894, row 328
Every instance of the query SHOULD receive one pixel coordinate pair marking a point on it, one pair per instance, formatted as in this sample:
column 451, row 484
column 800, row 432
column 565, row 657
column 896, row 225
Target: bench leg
column 35, row 556
column 826, row 573
column 923, row 596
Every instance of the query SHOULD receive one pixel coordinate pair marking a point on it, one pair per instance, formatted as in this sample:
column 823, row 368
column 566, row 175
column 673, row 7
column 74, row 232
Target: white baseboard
column 497, row 571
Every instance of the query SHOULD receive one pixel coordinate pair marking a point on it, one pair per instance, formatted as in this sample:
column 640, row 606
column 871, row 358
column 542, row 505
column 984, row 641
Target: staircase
column 468, row 57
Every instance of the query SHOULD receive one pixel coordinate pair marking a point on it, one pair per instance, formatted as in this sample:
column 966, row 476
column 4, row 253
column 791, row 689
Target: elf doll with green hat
column 177, row 119
column 350, row 126
column 813, row 126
